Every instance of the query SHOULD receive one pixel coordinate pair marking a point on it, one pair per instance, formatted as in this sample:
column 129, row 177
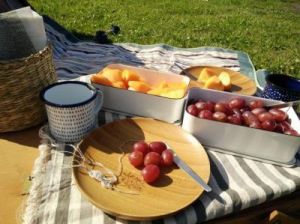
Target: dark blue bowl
column 281, row 87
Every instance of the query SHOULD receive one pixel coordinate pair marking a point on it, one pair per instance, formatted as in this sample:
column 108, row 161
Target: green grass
column 268, row 30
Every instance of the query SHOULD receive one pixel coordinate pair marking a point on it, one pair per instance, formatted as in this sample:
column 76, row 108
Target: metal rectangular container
column 142, row 104
column 271, row 147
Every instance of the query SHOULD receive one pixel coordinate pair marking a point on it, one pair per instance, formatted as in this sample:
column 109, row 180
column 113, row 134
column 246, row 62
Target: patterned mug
column 72, row 109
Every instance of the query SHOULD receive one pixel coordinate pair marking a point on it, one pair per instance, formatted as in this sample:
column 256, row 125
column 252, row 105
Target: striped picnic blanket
column 241, row 183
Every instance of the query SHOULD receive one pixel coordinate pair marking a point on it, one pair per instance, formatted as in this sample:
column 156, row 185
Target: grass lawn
column 268, row 30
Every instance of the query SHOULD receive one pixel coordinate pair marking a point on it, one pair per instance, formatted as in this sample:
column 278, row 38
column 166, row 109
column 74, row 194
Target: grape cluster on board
column 237, row 111
column 152, row 157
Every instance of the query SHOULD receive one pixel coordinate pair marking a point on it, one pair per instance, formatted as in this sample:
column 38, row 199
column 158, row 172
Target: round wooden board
column 241, row 84
column 173, row 191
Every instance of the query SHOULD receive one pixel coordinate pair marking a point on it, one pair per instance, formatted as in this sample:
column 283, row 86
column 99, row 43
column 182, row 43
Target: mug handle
column 99, row 101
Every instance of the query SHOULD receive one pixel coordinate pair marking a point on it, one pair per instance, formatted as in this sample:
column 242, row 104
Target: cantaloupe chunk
column 174, row 94
column 177, row 85
column 225, row 80
column 100, row 79
column 157, row 91
column 205, row 74
column 139, row 86
column 128, row 75
column 214, row 83
column 113, row 75
column 161, row 85
column 119, row 84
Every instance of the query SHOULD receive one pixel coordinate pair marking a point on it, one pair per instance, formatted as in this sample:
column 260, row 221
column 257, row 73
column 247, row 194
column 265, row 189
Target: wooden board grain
column 241, row 84
column 18, row 150
column 173, row 191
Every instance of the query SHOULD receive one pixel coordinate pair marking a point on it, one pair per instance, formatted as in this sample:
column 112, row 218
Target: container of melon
column 142, row 92
column 243, row 125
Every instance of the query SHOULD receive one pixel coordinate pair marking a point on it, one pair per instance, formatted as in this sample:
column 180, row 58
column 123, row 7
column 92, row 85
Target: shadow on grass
column 82, row 36
column 101, row 39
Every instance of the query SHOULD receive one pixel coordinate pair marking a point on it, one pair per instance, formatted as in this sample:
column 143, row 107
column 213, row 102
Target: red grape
column 235, row 119
column 220, row 116
column 278, row 115
column 248, row 117
column 236, row 111
column 142, row 147
column 255, row 124
column 210, row 105
column 167, row 157
column 265, row 116
column 258, row 110
column 150, row 173
column 136, row 158
column 244, row 109
column 205, row 105
column 200, row 105
column 206, row 114
column 221, row 107
column 157, row 147
column 192, row 109
column 268, row 125
column 152, row 158
column 237, row 103
column 256, row 104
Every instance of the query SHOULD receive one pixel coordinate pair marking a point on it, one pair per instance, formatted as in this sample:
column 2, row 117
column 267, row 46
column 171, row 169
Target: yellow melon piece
column 205, row 74
column 177, row 85
column 128, row 75
column 100, row 79
column 225, row 80
column 214, row 83
column 139, row 86
column 119, row 84
column 157, row 91
column 113, row 75
column 175, row 94
column 161, row 85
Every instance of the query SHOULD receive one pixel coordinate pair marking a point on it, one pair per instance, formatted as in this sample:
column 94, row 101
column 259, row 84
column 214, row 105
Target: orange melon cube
column 177, row 85
column 161, row 85
column 128, row 75
column 214, row 83
column 225, row 80
column 174, row 94
column 113, row 75
column 205, row 74
column 100, row 79
column 157, row 91
column 119, row 84
column 139, row 86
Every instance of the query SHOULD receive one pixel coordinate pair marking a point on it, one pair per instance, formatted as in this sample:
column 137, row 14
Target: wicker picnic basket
column 21, row 81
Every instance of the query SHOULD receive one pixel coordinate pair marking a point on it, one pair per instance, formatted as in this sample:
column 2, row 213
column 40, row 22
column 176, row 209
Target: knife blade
column 186, row 168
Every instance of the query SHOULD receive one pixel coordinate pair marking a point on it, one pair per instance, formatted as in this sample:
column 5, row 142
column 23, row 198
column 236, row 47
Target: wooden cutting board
column 134, row 199
column 241, row 84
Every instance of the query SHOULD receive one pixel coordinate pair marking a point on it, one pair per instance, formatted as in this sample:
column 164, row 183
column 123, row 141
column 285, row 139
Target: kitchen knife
column 186, row 168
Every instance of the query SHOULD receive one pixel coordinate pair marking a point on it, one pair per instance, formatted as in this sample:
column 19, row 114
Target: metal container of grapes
column 132, row 103
column 262, row 145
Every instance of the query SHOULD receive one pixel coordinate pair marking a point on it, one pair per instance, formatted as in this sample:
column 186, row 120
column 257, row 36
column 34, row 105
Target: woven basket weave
column 21, row 81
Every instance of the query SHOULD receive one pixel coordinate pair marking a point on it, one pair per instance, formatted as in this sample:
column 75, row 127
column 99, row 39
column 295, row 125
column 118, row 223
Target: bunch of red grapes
column 237, row 111
column 151, row 157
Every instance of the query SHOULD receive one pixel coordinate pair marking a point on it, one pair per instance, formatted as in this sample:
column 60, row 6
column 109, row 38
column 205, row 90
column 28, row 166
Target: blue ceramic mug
column 72, row 109
column 281, row 87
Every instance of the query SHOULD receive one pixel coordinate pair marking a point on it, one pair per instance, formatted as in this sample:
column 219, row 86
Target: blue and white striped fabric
column 240, row 182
